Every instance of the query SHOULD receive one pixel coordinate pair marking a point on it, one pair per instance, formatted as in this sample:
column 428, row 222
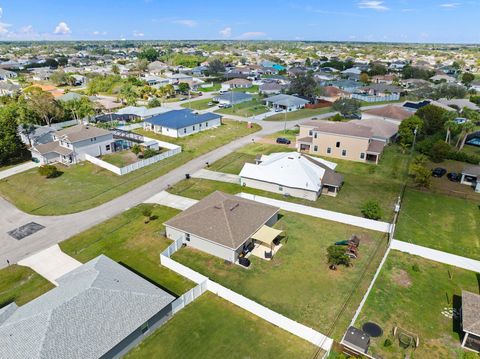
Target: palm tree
column 450, row 125
column 467, row 128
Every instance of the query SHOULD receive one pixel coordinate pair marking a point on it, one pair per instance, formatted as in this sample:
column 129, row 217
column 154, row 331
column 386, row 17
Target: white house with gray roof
column 285, row 102
column 99, row 310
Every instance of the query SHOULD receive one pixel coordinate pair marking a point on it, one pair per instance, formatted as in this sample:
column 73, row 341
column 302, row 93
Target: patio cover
column 266, row 234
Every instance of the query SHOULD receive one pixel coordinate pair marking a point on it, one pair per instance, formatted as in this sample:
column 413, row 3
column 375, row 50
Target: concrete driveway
column 171, row 200
column 217, row 176
column 18, row 169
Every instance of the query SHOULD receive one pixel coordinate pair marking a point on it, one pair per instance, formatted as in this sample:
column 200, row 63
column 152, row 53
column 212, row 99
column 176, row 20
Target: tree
column 336, row 256
column 449, row 91
column 48, row 171
column 141, row 65
column 154, row 102
column 147, row 213
column 407, row 128
column 128, row 94
column 27, row 129
column 346, row 106
column 11, row 146
column 78, row 108
column 467, row 78
column 303, row 84
column 43, row 104
column 377, row 69
column 439, row 151
column 60, row 78
column 364, row 78
column 420, row 173
column 372, row 210
column 149, row 53
column 183, row 87
column 433, row 118
column 467, row 128
column 136, row 149
column 115, row 69
column 216, row 67
column 411, row 72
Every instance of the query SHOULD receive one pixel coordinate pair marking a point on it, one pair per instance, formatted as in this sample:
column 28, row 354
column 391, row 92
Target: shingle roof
column 286, row 100
column 340, row 128
column 471, row 312
column 390, row 111
column 224, row 219
column 376, row 146
column 181, row 118
column 50, row 147
column 380, row 128
column 472, row 170
column 94, row 308
column 81, row 132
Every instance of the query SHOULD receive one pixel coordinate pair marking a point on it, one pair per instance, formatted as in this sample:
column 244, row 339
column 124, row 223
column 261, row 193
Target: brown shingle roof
column 224, row 219
column 237, row 81
column 390, row 111
column 376, row 146
column 51, row 147
column 472, row 171
column 341, row 128
column 471, row 312
column 81, row 132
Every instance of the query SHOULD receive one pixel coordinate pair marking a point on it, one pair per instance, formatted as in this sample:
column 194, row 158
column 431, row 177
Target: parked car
column 210, row 103
column 454, row 177
column 438, row 172
column 278, row 109
column 183, row 99
column 353, row 116
column 224, row 105
column 283, row 140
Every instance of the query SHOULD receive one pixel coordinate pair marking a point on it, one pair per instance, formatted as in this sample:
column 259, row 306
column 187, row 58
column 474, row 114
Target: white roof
column 142, row 111
column 290, row 169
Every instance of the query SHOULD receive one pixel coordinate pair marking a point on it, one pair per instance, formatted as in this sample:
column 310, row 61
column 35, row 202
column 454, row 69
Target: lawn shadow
column 456, row 317
column 148, row 279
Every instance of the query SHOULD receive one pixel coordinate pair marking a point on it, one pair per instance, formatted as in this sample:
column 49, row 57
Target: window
column 193, row 128
column 337, row 145
column 344, row 152
column 315, row 148
column 280, row 188
column 310, row 133
column 187, row 237
column 362, row 155
column 144, row 327
column 200, row 126
column 107, row 147
column 185, row 130
column 206, row 124
column 315, row 135
column 329, row 150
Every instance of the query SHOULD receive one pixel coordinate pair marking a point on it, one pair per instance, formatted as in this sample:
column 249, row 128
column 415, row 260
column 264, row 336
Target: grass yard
column 363, row 182
column 253, row 89
column 211, row 327
column 290, row 134
column 216, row 87
column 198, row 105
column 299, row 114
column 441, row 222
column 120, row 159
column 245, row 109
column 414, row 293
column 133, row 243
column 85, row 185
column 20, row 285
column 297, row 282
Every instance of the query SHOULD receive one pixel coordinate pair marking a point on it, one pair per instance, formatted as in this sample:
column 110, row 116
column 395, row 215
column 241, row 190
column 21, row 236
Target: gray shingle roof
column 94, row 308
column 286, row 100
column 471, row 312
column 81, row 132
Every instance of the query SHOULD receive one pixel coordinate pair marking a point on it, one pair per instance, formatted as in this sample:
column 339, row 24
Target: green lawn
column 297, row 282
column 363, row 182
column 211, row 327
column 198, row 105
column 216, row 87
column 253, row 89
column 120, row 159
column 290, row 134
column 130, row 241
column 413, row 298
column 85, row 185
column 441, row 222
column 245, row 109
column 298, row 115
column 20, row 285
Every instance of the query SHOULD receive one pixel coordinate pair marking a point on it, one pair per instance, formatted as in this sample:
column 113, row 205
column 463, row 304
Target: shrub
column 48, row 171
column 387, row 343
column 336, row 118
column 147, row 213
column 136, row 149
column 336, row 255
column 416, row 268
column 439, row 151
column 149, row 153
column 372, row 210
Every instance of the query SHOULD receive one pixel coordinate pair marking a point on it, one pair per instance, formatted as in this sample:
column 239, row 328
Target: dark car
column 438, row 172
column 454, row 177
column 353, row 116
column 283, row 140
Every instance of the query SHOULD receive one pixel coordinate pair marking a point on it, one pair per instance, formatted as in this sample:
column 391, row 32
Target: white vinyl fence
column 253, row 307
column 188, row 297
column 372, row 99
column 133, row 126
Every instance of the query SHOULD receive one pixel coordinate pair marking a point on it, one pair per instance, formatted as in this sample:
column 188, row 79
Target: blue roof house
column 181, row 123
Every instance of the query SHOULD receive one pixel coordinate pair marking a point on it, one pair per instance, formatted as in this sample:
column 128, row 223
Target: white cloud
column 372, row 4
column 226, row 32
column 451, row 5
column 186, row 22
column 251, row 35
column 62, row 29
column 137, row 33
column 99, row 33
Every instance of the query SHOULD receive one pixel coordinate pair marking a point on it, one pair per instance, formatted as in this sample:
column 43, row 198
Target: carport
column 264, row 239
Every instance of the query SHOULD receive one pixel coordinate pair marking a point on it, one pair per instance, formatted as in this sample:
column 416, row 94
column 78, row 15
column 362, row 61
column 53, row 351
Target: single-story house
column 332, row 93
column 7, row 74
column 8, row 89
column 378, row 92
column 445, row 78
column 285, row 102
column 271, row 88
column 471, row 177
column 223, row 225
column 69, row 96
column 181, row 123
column 232, row 98
column 388, row 113
column 459, row 103
column 98, row 310
column 142, row 112
column 70, row 145
column 471, row 320
column 292, row 174
column 236, row 83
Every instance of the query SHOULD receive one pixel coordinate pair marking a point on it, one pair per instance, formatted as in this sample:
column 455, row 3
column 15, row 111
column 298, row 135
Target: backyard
column 121, row 158
column 440, row 222
column 297, row 282
column 245, row 109
column 363, row 182
column 130, row 241
column 419, row 296
column 85, row 185
column 211, row 327
column 299, row 114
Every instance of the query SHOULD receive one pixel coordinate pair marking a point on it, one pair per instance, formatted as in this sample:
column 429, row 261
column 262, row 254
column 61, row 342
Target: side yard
column 245, row 109
column 198, row 104
column 85, row 185
column 211, row 327
column 422, row 297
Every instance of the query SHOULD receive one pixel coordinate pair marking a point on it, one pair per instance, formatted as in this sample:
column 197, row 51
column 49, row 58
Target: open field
column 440, row 222
column 211, row 327
column 85, row 185
column 414, row 293
column 130, row 241
column 198, row 105
column 245, row 109
column 298, row 115
column 20, row 285
column 363, row 182
column 297, row 282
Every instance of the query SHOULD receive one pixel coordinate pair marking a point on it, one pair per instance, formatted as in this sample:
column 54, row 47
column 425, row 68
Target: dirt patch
column 401, row 278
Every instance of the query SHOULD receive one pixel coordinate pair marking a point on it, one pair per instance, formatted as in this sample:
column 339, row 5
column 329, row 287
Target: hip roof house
column 100, row 309
column 294, row 174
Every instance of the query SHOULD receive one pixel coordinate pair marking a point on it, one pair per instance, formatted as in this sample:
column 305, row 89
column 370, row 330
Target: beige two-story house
column 361, row 141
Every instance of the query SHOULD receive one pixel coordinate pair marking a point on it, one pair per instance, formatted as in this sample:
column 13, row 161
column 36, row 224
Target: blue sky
column 334, row 20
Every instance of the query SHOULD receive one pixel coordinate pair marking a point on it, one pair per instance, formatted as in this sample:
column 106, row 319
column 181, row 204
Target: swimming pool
column 474, row 141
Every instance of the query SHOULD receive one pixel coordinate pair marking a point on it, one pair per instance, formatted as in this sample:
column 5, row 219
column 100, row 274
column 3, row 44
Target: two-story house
column 361, row 141
column 71, row 144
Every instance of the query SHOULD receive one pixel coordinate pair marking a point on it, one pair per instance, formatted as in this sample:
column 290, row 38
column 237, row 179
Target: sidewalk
column 321, row 213
column 18, row 169
column 171, row 200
